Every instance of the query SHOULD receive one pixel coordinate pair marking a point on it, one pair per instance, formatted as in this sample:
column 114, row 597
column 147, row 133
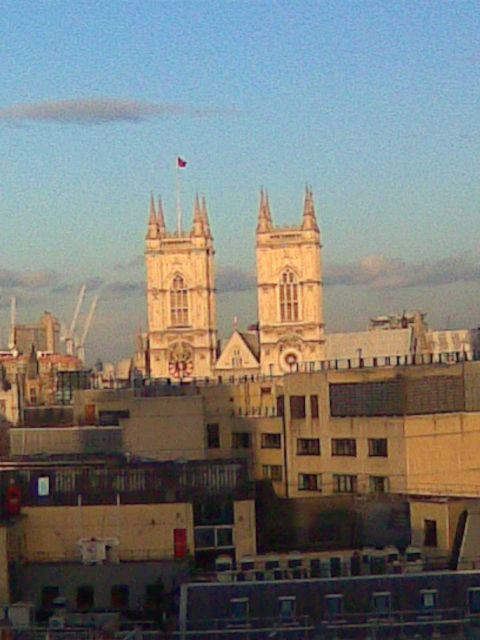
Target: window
column 49, row 593
column 308, row 446
column 288, row 289
column 430, row 531
column 239, row 610
column 377, row 448
column 344, row 483
column 473, row 596
column 241, row 440
column 287, row 606
column 344, row 447
column 309, row 482
column 43, row 486
column 271, row 441
column 378, row 484
column 85, row 597
column 273, row 472
column 314, row 406
column 237, row 360
column 381, row 602
column 178, row 302
column 213, row 537
column 120, row 596
column 213, row 436
column 334, row 605
column 428, row 599
column 297, row 406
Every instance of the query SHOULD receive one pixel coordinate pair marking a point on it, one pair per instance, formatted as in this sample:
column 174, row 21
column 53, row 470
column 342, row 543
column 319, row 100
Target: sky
column 374, row 104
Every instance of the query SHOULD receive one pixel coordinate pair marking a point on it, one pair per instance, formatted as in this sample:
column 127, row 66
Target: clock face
column 180, row 360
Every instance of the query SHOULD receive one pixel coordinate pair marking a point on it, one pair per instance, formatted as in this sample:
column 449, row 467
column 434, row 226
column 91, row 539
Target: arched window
column 179, row 302
column 289, row 311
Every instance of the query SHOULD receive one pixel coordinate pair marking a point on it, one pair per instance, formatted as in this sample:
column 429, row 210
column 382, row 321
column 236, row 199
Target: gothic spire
column 264, row 216
column 152, row 229
column 206, row 223
column 160, row 217
column 197, row 229
column 309, row 217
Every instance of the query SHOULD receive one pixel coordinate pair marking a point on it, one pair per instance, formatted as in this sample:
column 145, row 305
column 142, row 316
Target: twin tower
column 181, row 298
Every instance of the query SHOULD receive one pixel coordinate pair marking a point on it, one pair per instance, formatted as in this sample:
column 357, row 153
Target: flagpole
column 179, row 205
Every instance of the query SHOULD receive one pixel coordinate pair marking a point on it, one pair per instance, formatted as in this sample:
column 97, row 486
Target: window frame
column 375, row 450
column 271, row 440
column 213, row 439
column 239, row 438
column 288, row 296
column 179, row 302
column 348, row 480
column 306, row 450
column 270, row 474
column 344, row 447
column 302, row 485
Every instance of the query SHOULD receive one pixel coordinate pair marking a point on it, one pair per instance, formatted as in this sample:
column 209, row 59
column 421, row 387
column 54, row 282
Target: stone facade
column 290, row 291
column 180, row 297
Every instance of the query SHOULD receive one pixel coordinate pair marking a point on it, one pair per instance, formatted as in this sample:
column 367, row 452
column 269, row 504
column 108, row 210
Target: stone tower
column 290, row 290
column 182, row 334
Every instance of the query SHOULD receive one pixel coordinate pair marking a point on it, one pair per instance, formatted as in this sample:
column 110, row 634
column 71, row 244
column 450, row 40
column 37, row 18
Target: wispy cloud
column 64, row 288
column 133, row 263
column 97, row 111
column 11, row 279
column 119, row 289
column 380, row 272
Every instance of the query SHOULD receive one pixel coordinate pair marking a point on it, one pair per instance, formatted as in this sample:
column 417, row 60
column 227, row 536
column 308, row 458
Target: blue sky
column 375, row 104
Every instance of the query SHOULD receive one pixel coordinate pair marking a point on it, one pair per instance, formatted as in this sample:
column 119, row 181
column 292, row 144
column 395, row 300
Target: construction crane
column 81, row 345
column 69, row 337
column 13, row 322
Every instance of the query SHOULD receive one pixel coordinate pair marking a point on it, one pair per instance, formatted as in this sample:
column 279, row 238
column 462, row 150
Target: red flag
column 181, row 163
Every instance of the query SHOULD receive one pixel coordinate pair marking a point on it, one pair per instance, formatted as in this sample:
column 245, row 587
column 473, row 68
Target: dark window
column 309, row 482
column 204, row 537
column 377, row 447
column 308, row 446
column 297, row 406
column 378, row 484
column 85, row 597
column 314, row 406
column 239, row 609
column 213, row 436
column 213, row 511
column 271, row 441
column 224, row 537
column 265, row 391
column 381, row 602
column 343, row 483
column 344, row 447
column 287, row 605
column 334, row 605
column 430, row 531
column 241, row 440
column 120, row 596
column 429, row 599
column 112, row 418
column 367, row 399
column 49, row 593
column 474, row 600
column 273, row 472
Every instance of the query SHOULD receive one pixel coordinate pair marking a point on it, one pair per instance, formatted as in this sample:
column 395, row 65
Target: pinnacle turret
column 197, row 229
column 309, row 217
column 206, row 223
column 152, row 229
column 264, row 216
column 161, row 217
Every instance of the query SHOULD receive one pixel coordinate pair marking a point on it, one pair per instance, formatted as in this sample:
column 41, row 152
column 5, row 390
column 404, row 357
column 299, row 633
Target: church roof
column 373, row 344
column 251, row 340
